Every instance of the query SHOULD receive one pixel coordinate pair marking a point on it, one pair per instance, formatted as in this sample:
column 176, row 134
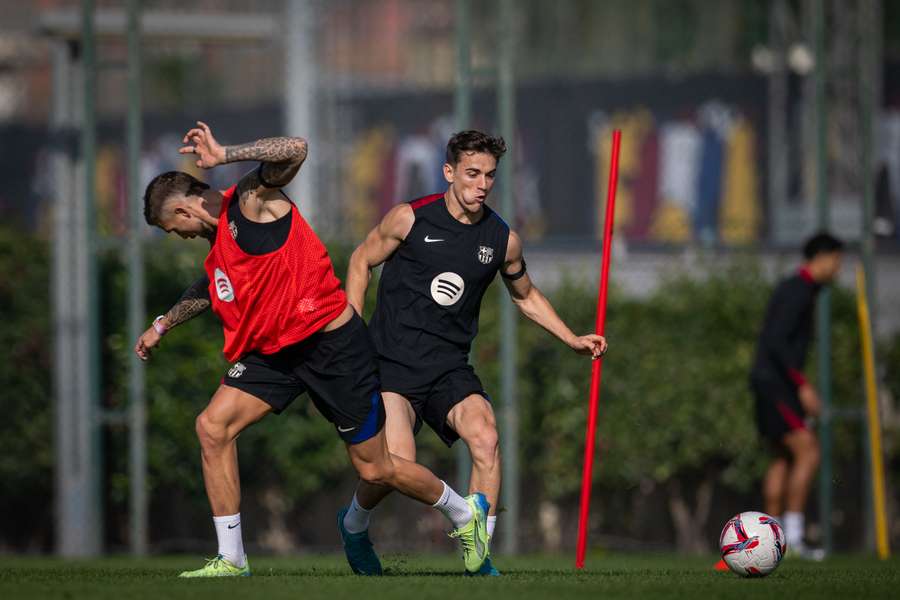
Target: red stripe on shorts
column 789, row 416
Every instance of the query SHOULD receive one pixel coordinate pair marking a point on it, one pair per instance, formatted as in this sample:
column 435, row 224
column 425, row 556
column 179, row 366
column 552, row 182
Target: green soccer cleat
column 473, row 535
column 219, row 567
column 487, row 570
column 358, row 548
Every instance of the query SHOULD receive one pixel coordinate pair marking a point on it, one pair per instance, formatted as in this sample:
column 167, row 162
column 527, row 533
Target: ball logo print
column 224, row 289
column 447, row 288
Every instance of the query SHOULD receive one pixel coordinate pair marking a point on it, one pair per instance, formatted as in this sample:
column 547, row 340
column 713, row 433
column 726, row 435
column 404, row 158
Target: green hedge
column 675, row 411
column 26, row 354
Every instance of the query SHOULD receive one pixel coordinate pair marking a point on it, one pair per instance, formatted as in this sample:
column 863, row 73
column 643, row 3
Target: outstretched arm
column 375, row 249
column 193, row 301
column 281, row 157
column 534, row 305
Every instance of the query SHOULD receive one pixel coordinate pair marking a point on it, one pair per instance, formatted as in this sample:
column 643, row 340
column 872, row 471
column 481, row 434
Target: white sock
column 491, row 523
column 454, row 507
column 231, row 545
column 357, row 517
column 793, row 528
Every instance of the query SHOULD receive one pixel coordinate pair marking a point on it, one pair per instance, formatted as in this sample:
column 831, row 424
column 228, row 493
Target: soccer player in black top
column 785, row 399
column 440, row 253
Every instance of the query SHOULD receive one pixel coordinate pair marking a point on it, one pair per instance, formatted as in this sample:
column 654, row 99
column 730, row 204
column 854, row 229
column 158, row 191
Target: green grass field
column 420, row 578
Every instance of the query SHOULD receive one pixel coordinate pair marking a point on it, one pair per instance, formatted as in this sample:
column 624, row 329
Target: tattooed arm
column 281, row 157
column 193, row 301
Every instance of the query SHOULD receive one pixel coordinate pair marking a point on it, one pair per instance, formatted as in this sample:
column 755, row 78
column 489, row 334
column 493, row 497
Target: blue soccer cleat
column 358, row 548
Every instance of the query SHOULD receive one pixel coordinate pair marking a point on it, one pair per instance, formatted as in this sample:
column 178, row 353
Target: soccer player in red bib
column 440, row 254
column 288, row 329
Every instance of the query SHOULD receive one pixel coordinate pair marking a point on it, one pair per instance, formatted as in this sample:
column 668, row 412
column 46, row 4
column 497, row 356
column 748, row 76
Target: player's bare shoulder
column 398, row 222
column 513, row 249
column 259, row 201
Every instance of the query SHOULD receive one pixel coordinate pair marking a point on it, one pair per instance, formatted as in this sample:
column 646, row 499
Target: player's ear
column 448, row 172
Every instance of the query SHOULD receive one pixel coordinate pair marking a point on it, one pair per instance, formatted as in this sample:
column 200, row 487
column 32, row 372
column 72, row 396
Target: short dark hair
column 165, row 186
column 474, row 141
column 821, row 243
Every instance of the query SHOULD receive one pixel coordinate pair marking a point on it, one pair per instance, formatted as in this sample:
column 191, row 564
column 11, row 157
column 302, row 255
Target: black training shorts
column 336, row 368
column 778, row 408
column 432, row 395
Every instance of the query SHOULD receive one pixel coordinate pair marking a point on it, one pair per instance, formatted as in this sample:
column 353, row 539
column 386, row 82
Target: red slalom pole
column 597, row 365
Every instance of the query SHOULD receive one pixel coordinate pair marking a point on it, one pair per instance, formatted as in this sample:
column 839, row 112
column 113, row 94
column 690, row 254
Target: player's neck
column 212, row 202
column 458, row 210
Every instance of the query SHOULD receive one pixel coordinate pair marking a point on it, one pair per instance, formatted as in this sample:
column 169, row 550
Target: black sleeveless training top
column 258, row 238
column 431, row 287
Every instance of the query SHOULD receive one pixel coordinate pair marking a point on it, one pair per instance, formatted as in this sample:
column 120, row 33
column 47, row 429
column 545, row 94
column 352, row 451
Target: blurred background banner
column 733, row 145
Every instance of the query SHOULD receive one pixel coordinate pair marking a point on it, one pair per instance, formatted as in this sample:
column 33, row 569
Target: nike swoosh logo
column 428, row 240
column 342, row 430
column 235, row 525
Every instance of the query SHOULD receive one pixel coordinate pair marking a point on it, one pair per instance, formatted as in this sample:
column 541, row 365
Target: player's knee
column 210, row 433
column 484, row 445
column 811, row 454
column 376, row 473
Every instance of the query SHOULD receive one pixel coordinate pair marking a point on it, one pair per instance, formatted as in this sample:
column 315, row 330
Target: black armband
column 517, row 275
column 262, row 180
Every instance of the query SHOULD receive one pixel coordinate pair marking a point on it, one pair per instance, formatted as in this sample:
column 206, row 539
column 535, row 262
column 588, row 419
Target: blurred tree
column 676, row 415
column 677, row 437
column 26, row 350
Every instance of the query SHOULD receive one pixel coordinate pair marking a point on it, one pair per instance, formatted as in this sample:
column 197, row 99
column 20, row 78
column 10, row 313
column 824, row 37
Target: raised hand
column 200, row 141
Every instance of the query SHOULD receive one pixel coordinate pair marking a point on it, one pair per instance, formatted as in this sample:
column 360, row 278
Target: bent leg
column 804, row 449
column 229, row 412
column 377, row 466
column 400, row 419
column 473, row 419
column 775, row 485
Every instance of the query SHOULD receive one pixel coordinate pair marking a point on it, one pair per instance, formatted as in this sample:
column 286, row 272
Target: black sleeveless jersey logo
column 447, row 288
column 485, row 254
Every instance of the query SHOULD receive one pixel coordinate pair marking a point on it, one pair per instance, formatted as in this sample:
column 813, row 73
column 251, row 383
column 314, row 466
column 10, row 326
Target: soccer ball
column 752, row 544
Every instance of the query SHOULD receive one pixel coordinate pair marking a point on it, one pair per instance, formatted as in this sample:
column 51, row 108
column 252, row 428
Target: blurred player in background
column 786, row 401
column 440, row 254
column 288, row 329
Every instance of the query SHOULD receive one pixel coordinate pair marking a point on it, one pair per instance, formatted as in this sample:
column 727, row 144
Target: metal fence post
column 506, row 105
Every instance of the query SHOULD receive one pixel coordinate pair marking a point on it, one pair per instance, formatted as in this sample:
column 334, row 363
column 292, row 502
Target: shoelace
column 468, row 543
column 214, row 562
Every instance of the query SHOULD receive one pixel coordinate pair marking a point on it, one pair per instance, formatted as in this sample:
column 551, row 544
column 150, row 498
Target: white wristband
column 158, row 326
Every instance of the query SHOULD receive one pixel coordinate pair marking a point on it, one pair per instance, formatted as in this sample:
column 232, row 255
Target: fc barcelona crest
column 485, row 254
